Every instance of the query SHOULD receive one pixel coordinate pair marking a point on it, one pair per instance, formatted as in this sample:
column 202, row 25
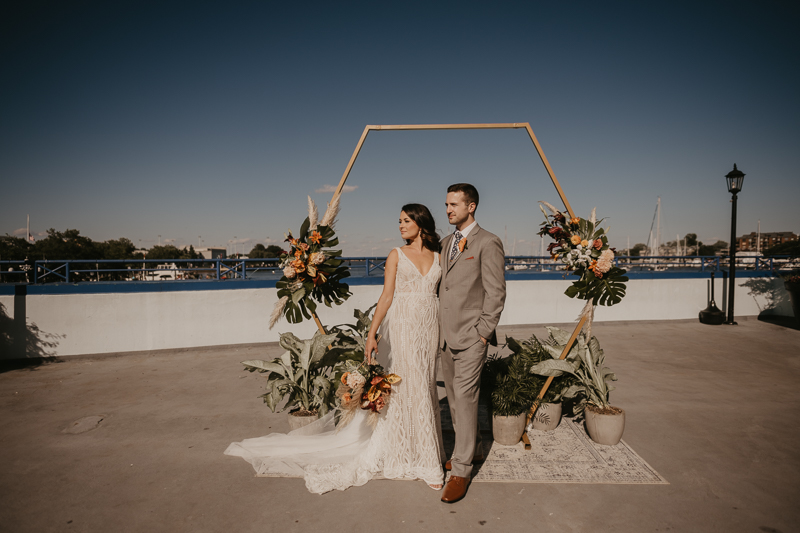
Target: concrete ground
column 714, row 409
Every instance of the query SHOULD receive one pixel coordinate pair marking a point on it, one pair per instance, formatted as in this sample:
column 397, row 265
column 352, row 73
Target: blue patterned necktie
column 456, row 239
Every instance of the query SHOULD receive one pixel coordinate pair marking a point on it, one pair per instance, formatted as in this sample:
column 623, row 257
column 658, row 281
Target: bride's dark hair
column 422, row 217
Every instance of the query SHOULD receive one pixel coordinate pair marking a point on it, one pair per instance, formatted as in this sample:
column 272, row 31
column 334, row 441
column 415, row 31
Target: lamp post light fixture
column 735, row 180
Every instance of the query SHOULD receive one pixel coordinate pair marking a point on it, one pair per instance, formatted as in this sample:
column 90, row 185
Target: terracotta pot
column 507, row 430
column 296, row 421
column 604, row 428
column 548, row 417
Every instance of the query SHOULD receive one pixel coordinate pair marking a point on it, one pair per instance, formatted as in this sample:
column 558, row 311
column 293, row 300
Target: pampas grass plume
column 277, row 311
column 552, row 209
column 313, row 214
column 330, row 214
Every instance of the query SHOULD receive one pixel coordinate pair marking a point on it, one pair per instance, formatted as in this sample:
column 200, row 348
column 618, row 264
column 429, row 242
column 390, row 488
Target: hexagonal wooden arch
column 513, row 125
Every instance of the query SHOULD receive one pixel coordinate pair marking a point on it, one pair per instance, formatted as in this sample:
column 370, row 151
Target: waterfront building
column 750, row 242
column 212, row 253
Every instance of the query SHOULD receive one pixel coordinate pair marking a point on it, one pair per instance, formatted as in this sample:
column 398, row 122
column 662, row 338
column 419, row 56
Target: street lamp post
column 735, row 180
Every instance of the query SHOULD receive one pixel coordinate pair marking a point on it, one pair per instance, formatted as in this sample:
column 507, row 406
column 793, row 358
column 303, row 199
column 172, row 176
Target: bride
column 406, row 443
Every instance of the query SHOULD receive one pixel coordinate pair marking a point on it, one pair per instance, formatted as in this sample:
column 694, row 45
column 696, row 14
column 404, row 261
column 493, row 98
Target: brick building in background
column 768, row 240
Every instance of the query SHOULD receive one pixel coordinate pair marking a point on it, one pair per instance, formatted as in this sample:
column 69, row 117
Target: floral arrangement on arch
column 366, row 387
column 312, row 272
column 583, row 248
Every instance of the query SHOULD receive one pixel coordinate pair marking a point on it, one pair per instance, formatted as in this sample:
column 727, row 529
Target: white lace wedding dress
column 407, row 440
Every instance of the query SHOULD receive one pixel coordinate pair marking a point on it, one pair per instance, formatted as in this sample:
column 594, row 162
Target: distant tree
column 67, row 244
column 14, row 248
column 259, row 251
column 170, row 251
column 275, row 250
column 691, row 239
column 189, row 253
column 117, row 249
column 713, row 249
column 121, row 248
column 638, row 249
column 167, row 251
column 791, row 248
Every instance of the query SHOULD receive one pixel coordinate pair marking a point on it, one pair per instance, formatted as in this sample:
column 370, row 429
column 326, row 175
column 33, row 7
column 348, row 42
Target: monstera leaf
column 608, row 290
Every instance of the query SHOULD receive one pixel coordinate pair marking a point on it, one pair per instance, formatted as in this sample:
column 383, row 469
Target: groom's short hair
column 470, row 192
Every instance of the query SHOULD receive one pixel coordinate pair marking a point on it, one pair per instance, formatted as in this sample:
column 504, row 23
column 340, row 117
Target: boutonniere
column 462, row 244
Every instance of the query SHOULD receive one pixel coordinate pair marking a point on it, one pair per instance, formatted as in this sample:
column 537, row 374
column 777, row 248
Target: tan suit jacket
column 472, row 291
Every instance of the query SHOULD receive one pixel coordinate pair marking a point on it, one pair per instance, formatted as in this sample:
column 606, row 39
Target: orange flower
column 575, row 239
column 315, row 237
column 462, row 244
column 298, row 265
column 593, row 265
column 574, row 221
column 347, row 397
column 298, row 253
column 584, row 243
column 344, row 378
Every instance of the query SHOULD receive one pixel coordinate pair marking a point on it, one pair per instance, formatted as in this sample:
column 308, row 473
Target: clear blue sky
column 212, row 119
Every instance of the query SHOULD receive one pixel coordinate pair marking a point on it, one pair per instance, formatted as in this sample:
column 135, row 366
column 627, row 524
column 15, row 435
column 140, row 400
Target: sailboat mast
column 658, row 227
column 758, row 238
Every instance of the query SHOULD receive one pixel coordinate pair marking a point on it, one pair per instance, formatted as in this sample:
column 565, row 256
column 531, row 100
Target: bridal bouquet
column 311, row 271
column 365, row 387
column 583, row 248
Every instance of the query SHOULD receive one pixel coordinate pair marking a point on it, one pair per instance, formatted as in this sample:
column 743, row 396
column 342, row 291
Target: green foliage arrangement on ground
column 508, row 385
column 307, row 373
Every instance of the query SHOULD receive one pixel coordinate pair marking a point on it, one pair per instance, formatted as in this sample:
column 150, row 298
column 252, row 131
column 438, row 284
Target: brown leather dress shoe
column 478, row 458
column 455, row 489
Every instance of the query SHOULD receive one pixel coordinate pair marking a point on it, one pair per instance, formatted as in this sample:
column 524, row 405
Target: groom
column 472, row 293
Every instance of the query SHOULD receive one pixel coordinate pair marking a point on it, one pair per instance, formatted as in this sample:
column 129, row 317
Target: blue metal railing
column 144, row 270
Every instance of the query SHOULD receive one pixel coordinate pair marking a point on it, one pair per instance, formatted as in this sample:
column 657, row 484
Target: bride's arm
column 384, row 302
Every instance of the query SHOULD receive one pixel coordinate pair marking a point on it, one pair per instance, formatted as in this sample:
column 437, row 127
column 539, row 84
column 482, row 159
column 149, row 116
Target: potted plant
column 604, row 422
column 792, row 284
column 302, row 375
column 305, row 375
column 510, row 388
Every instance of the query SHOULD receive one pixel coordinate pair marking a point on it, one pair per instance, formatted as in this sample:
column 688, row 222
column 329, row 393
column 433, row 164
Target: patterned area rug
column 564, row 455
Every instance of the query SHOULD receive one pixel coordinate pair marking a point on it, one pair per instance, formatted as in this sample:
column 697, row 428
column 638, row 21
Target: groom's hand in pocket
column 484, row 341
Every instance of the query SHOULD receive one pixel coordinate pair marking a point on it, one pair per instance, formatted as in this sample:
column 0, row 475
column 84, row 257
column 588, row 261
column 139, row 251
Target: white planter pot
column 508, row 430
column 297, row 421
column 548, row 417
column 605, row 428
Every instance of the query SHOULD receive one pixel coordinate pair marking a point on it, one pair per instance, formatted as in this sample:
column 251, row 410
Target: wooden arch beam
column 493, row 126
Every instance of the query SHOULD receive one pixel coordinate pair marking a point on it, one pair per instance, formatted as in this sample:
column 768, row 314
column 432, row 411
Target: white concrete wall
column 108, row 323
